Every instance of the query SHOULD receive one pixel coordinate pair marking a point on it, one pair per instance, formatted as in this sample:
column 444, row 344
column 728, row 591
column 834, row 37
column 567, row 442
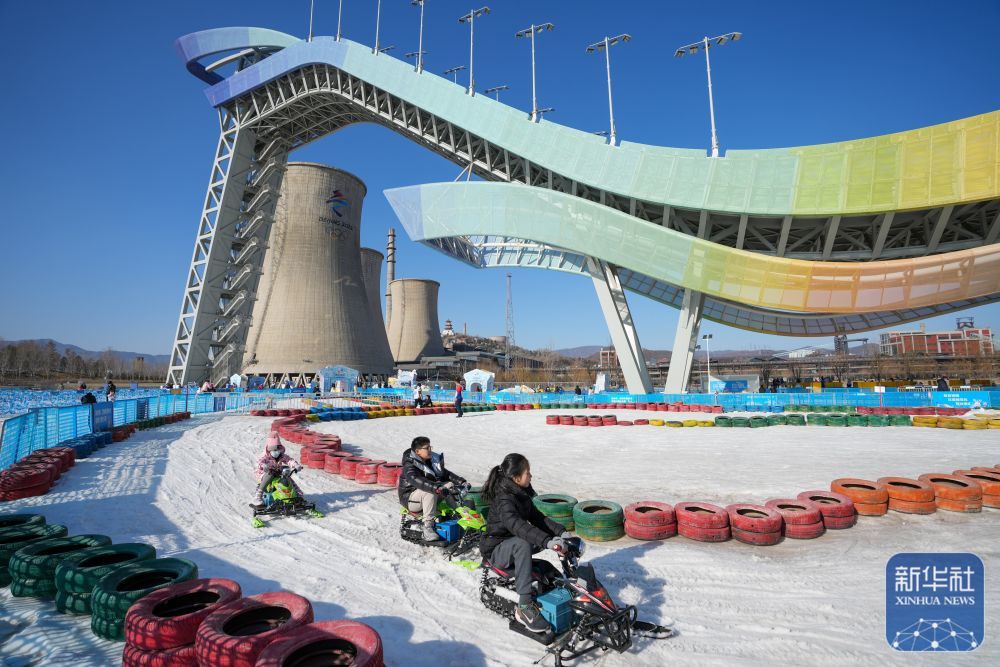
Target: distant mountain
column 581, row 352
column 62, row 348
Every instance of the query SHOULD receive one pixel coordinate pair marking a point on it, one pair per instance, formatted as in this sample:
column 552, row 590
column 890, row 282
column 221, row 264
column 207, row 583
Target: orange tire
column 960, row 505
column 908, row 490
column 991, row 501
column 908, row 507
column 861, row 490
column 871, row 509
column 990, row 481
column 953, row 487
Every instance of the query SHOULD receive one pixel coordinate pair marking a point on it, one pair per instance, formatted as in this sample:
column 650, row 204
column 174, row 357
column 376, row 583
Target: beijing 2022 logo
column 934, row 602
column 336, row 202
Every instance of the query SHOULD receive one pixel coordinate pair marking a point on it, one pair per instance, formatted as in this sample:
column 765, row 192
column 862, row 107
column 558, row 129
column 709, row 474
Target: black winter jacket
column 512, row 514
column 424, row 476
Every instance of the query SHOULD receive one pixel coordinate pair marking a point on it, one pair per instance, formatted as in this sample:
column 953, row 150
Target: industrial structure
column 313, row 308
column 371, row 269
column 964, row 341
column 414, row 330
column 811, row 241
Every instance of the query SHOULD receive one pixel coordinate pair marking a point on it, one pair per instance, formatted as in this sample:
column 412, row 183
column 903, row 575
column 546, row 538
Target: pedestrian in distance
column 111, row 391
column 458, row 398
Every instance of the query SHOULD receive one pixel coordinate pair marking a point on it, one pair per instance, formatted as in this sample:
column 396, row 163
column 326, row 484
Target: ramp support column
column 611, row 296
column 685, row 340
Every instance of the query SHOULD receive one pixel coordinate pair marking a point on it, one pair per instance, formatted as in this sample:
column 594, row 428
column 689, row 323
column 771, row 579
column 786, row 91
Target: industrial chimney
column 312, row 307
column 414, row 331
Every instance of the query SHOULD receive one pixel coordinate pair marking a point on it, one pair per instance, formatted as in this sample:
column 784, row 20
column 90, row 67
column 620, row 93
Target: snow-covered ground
column 184, row 488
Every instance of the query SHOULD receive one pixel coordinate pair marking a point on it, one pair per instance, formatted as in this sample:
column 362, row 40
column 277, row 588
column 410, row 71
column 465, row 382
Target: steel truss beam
column 618, row 317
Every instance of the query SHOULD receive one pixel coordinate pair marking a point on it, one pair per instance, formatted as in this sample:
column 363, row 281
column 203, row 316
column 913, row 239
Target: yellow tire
column 659, row 422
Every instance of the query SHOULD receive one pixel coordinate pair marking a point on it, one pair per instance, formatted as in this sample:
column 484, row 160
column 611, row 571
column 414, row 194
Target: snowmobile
column 282, row 500
column 581, row 613
column 459, row 524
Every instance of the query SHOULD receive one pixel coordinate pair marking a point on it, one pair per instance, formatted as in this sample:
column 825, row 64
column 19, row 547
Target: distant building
column 800, row 354
column 608, row 358
column 448, row 330
column 963, row 342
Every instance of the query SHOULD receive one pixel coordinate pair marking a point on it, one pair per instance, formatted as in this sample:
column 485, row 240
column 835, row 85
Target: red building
column 963, row 342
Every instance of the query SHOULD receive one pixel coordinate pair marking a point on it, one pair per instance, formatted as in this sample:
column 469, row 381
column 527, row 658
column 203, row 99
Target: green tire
column 73, row 603
column 603, row 534
column 44, row 589
column 108, row 628
column 817, row 419
column 757, row 422
column 777, row 420
column 796, row 420
column 725, row 422
column 900, row 420
column 115, row 592
column 80, row 571
column 555, row 504
column 836, row 420
column 38, row 560
column 17, row 538
column 589, row 514
column 14, row 521
column 857, row 420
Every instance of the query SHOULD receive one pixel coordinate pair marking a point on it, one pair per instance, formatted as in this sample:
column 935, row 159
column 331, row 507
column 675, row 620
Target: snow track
column 185, row 488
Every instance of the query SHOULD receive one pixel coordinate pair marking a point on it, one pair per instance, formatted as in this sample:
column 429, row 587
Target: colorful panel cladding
column 502, row 209
column 952, row 163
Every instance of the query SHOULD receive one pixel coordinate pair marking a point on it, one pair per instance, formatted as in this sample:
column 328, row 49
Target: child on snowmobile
column 423, row 481
column 515, row 529
column 269, row 467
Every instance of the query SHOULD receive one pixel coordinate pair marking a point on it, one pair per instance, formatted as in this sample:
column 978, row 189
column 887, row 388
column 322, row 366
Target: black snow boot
column 530, row 617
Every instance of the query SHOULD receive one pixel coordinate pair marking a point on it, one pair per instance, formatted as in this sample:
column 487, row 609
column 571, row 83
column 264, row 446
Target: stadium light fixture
column 530, row 33
column 497, row 89
column 387, row 49
column 705, row 44
column 454, row 71
column 417, row 54
column 470, row 18
column 420, row 40
column 605, row 45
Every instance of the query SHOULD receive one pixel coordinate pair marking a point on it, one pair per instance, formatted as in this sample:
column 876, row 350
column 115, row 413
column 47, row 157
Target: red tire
column 623, row 423
column 643, row 532
column 237, row 633
column 795, row 511
column 960, row 505
column 580, row 421
column 757, row 539
column 701, row 515
column 649, row 513
column 349, row 466
column 641, row 422
column 804, row 531
column 703, row 534
column 990, row 481
column 332, row 461
column 24, row 477
column 861, row 490
column 990, row 500
column 388, row 474
column 839, row 522
column 565, row 421
column 953, row 487
column 908, row 507
column 183, row 656
column 871, row 509
column 327, row 643
column 754, row 519
column 552, row 419
column 26, row 492
column 169, row 617
column 908, row 490
column 830, row 503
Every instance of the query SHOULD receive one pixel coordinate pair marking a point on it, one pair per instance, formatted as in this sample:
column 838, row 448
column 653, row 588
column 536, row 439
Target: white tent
column 477, row 376
column 332, row 376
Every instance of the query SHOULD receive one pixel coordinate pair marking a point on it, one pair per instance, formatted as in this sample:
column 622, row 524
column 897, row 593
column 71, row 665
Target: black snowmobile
column 282, row 500
column 459, row 524
column 588, row 618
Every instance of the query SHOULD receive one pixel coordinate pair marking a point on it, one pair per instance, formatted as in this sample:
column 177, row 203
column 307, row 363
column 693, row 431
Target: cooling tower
column 312, row 307
column 413, row 326
column 371, row 269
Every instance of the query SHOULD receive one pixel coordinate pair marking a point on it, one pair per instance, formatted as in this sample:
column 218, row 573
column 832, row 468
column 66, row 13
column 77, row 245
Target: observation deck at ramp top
column 747, row 228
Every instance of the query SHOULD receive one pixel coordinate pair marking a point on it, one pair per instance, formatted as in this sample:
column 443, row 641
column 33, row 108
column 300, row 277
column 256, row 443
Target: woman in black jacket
column 515, row 530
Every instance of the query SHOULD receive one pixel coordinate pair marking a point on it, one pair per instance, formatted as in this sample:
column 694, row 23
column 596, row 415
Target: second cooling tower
column 413, row 323
column 313, row 308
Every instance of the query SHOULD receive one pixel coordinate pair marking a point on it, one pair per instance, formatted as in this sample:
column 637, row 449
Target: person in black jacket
column 515, row 529
column 423, row 481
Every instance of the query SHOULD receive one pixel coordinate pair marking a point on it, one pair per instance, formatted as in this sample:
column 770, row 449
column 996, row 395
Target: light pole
column 420, row 41
column 419, row 55
column 470, row 18
column 708, row 359
column 387, row 49
column 378, row 18
column 312, row 5
column 705, row 44
column 530, row 33
column 606, row 45
column 340, row 12
column 455, row 71
column 496, row 89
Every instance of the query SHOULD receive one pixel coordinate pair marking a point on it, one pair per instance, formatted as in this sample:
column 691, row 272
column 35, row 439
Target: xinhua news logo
column 934, row 602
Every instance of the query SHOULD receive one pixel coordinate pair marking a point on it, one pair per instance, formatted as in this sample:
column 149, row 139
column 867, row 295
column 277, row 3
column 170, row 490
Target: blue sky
column 109, row 144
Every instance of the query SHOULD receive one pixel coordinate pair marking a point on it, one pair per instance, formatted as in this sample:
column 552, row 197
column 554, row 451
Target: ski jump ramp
column 808, row 241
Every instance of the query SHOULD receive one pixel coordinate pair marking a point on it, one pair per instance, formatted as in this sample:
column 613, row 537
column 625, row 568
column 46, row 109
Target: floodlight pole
column 420, row 40
column 708, row 358
column 378, row 18
column 312, row 6
column 470, row 18
column 606, row 44
column 711, row 102
column 340, row 12
column 530, row 32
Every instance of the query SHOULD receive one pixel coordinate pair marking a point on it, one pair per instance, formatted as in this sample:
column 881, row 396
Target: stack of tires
column 332, row 461
column 557, row 507
column 349, row 466
column 160, row 628
column 703, row 522
column 118, row 590
column 802, row 519
column 836, row 509
column 910, row 496
column 795, row 420
column 650, row 520
column 17, row 537
column 78, row 573
column 724, row 422
column 869, row 498
column 237, row 633
column 552, row 419
column 953, row 493
column 740, row 422
column 32, row 568
column 35, row 474
column 755, row 524
column 599, row 520
column 367, row 472
column 326, row 643
column 989, row 479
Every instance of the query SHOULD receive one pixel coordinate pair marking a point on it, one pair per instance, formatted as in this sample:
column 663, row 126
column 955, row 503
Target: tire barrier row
column 757, row 421
column 369, row 412
column 957, row 423
column 164, row 613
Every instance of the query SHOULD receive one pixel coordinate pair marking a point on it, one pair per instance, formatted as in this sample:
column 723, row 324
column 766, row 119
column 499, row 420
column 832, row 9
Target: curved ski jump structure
column 816, row 240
